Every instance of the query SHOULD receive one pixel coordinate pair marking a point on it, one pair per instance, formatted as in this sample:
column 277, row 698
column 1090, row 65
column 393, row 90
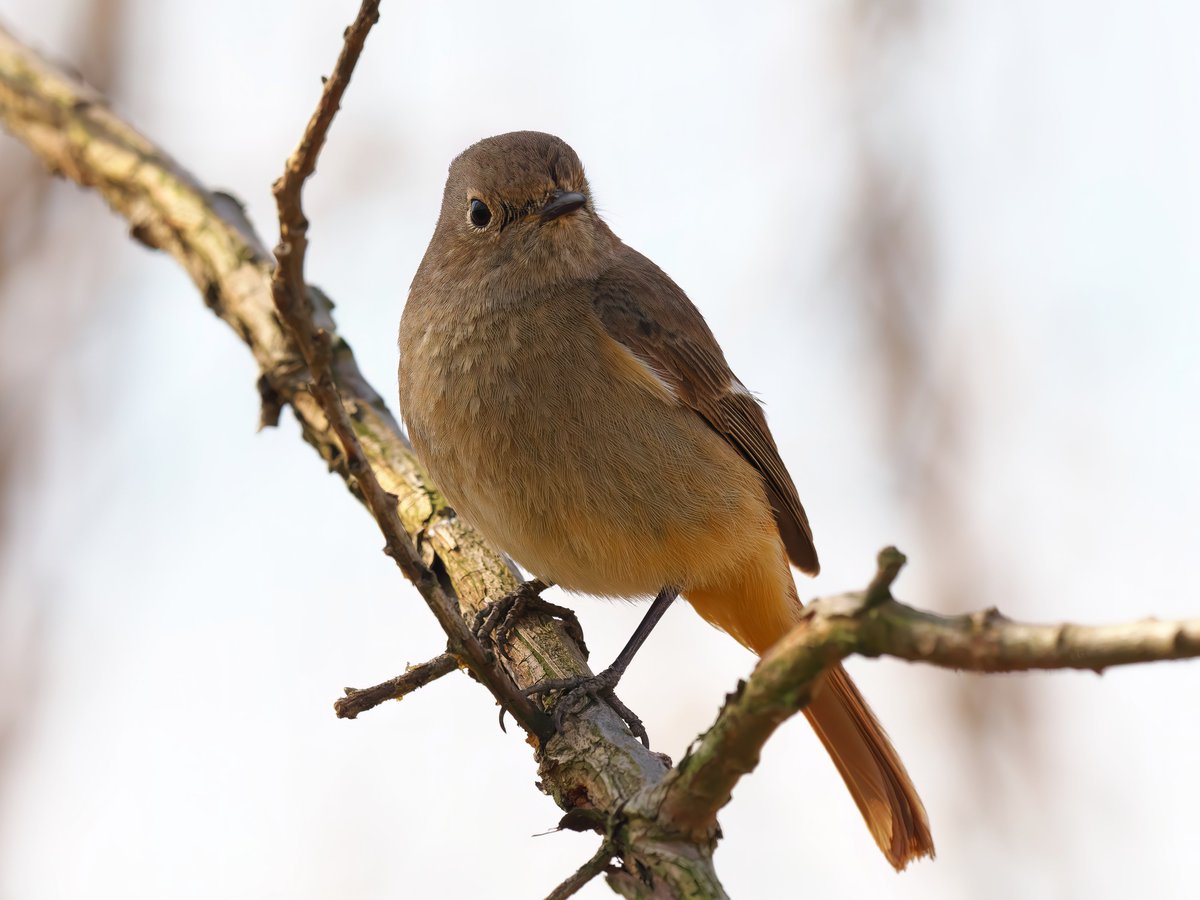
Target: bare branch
column 303, row 162
column 589, row 870
column 988, row 641
column 359, row 700
column 288, row 283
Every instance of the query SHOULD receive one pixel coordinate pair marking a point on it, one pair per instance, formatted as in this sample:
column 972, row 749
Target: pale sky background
column 183, row 598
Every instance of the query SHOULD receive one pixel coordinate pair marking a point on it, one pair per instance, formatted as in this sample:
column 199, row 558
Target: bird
column 574, row 407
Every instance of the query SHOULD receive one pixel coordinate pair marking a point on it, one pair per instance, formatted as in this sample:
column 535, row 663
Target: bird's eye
column 480, row 214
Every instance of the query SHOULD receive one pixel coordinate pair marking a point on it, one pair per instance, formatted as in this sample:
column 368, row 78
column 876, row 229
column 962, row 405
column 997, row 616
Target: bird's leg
column 495, row 621
column 575, row 692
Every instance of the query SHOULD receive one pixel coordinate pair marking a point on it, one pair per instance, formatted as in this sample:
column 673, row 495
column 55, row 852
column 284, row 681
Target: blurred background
column 954, row 247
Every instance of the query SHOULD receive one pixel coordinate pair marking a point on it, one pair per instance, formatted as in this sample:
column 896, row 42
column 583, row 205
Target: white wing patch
column 736, row 387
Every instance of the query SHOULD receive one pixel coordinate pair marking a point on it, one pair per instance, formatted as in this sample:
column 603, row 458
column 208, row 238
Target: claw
column 494, row 622
column 574, row 694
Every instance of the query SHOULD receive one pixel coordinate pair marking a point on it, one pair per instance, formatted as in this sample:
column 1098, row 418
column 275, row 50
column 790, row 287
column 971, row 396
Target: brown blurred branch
column 36, row 340
column 924, row 412
column 359, row 700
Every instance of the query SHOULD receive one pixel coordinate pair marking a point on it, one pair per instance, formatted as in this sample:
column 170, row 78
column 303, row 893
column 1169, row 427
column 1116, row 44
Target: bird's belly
column 584, row 476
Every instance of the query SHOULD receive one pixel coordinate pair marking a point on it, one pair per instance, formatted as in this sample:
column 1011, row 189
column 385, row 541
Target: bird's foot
column 495, row 622
column 574, row 694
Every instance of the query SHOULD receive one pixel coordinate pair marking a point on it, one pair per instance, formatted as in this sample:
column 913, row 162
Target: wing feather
column 644, row 310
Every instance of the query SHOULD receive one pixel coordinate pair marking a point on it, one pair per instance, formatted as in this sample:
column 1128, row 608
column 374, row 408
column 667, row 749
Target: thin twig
column 358, row 700
column 296, row 313
column 586, row 873
column 293, row 226
column 888, row 564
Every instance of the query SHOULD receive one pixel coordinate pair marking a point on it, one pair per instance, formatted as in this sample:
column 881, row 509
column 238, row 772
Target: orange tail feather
column 871, row 768
column 757, row 606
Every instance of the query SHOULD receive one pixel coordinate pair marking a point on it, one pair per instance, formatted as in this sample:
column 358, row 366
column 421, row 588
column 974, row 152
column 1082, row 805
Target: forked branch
column 871, row 623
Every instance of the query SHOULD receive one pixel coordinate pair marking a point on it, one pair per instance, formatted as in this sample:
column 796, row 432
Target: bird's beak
column 559, row 204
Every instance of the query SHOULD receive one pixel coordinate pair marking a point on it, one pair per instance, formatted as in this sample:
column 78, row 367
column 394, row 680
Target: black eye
column 480, row 214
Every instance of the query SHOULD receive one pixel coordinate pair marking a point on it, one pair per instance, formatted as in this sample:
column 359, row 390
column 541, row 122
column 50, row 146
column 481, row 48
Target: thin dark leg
column 656, row 611
column 576, row 691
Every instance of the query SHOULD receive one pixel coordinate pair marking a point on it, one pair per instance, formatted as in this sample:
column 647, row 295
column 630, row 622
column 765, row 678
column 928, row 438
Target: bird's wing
column 645, row 311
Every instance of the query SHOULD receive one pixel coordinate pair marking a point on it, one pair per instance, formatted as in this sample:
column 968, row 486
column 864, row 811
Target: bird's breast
column 555, row 443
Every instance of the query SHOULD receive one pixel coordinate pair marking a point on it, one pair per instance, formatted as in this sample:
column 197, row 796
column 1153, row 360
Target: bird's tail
column 871, row 769
column 757, row 608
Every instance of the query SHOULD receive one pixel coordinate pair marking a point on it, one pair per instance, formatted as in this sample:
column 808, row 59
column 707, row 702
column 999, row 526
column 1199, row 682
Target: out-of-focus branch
column 924, row 410
column 35, row 341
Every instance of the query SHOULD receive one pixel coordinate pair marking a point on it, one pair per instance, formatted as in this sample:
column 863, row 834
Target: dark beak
column 561, row 203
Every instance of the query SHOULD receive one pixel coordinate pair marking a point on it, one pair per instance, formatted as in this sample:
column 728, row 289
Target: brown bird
column 574, row 407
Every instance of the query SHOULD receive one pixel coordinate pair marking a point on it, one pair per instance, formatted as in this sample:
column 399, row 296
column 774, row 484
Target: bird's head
column 517, row 215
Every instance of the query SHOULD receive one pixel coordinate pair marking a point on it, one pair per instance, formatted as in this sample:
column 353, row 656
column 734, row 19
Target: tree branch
column 589, row 870
column 359, row 700
column 863, row 623
column 988, row 641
